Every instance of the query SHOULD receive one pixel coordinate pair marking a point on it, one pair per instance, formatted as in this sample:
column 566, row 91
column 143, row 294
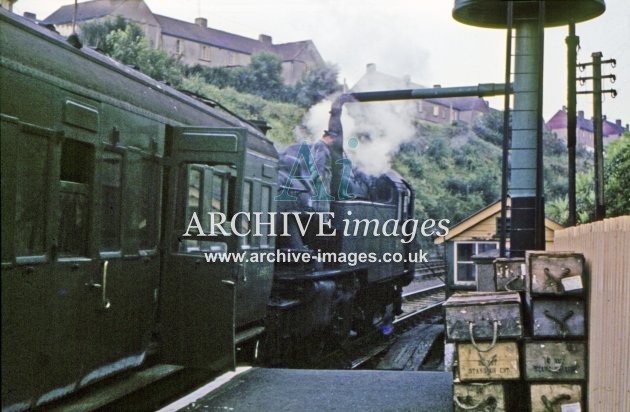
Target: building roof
column 294, row 50
column 210, row 36
column 610, row 128
column 462, row 104
column 559, row 121
column 189, row 31
column 374, row 80
column 479, row 216
column 85, row 11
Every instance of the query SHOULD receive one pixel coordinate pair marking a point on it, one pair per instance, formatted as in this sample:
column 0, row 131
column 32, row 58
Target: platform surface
column 261, row 389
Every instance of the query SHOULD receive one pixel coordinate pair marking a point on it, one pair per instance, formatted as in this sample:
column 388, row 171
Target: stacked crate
column 484, row 329
column 555, row 356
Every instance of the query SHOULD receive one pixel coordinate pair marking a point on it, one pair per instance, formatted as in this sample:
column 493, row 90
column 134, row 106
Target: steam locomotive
column 103, row 171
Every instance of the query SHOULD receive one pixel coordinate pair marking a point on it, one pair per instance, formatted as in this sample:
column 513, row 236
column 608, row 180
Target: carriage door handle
column 105, row 302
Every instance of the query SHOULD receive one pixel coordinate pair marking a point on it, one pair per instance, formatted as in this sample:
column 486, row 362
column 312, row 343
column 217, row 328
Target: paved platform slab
column 262, row 390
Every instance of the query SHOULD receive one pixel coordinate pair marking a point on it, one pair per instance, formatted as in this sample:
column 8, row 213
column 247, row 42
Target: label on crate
column 571, row 407
column 499, row 362
column 572, row 283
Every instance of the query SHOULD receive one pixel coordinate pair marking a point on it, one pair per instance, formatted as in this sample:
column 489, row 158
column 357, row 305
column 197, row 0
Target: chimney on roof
column 407, row 79
column 370, row 67
column 29, row 15
column 581, row 114
column 604, row 117
column 564, row 108
column 618, row 122
column 201, row 22
column 437, row 86
column 265, row 39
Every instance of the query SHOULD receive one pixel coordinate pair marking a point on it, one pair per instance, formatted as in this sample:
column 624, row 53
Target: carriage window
column 31, row 189
column 111, row 200
column 209, row 189
column 149, row 206
column 194, row 193
column 76, row 164
column 246, row 207
column 265, row 208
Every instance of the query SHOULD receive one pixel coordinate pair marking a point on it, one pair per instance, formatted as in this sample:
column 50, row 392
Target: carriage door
column 197, row 296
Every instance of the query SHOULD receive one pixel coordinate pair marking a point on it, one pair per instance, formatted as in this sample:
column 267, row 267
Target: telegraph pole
column 573, row 42
column 600, row 206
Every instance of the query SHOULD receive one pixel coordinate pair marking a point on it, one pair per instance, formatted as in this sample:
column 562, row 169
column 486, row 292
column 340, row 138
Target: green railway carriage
column 108, row 179
column 102, row 168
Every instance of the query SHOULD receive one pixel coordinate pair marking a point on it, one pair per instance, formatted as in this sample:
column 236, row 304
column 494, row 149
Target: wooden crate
column 481, row 311
column 555, row 360
column 510, row 274
column 499, row 363
column 478, row 397
column 556, row 273
column 558, row 318
column 556, row 398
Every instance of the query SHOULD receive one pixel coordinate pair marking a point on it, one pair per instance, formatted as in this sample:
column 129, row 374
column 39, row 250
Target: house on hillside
column 436, row 110
column 474, row 235
column 584, row 128
column 193, row 43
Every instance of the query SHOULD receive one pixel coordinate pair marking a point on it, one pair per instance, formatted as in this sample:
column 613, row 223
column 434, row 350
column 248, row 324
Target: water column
column 527, row 229
column 526, row 201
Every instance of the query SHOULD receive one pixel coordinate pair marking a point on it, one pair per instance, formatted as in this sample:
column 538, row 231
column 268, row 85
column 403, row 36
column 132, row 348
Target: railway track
column 419, row 306
column 418, row 303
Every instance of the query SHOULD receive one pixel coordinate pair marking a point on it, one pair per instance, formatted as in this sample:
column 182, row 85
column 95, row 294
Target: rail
column 421, row 304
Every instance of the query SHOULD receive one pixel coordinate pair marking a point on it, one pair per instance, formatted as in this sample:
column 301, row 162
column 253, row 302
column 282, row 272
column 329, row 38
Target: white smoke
column 373, row 132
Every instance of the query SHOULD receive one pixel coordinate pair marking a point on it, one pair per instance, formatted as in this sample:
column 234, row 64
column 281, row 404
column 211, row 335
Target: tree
column 94, row 33
column 316, row 85
column 489, row 127
column 125, row 42
column 263, row 77
column 130, row 47
column 617, row 177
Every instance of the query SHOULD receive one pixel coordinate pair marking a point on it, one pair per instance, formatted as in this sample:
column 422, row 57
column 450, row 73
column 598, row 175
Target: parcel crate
column 555, row 360
column 558, row 318
column 510, row 274
column 488, row 361
column 478, row 397
column 556, row 273
column 556, row 397
column 488, row 315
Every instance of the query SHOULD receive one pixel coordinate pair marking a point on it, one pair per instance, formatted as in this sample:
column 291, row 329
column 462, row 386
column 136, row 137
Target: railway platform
column 262, row 389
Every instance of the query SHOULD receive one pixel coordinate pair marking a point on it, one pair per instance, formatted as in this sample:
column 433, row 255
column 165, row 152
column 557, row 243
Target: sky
column 418, row 38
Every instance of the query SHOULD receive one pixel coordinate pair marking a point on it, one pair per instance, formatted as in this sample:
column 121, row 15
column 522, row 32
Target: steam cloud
column 373, row 131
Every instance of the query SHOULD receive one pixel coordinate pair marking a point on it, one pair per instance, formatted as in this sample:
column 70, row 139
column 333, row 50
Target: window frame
column 208, row 175
column 457, row 262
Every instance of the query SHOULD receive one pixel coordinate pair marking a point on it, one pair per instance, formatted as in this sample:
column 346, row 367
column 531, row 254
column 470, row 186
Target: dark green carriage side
column 83, row 144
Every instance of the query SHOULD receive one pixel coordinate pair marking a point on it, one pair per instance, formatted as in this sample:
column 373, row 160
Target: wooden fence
column 606, row 247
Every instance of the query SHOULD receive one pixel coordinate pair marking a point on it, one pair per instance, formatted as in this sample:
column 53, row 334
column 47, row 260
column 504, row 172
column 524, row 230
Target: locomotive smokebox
column 493, row 13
